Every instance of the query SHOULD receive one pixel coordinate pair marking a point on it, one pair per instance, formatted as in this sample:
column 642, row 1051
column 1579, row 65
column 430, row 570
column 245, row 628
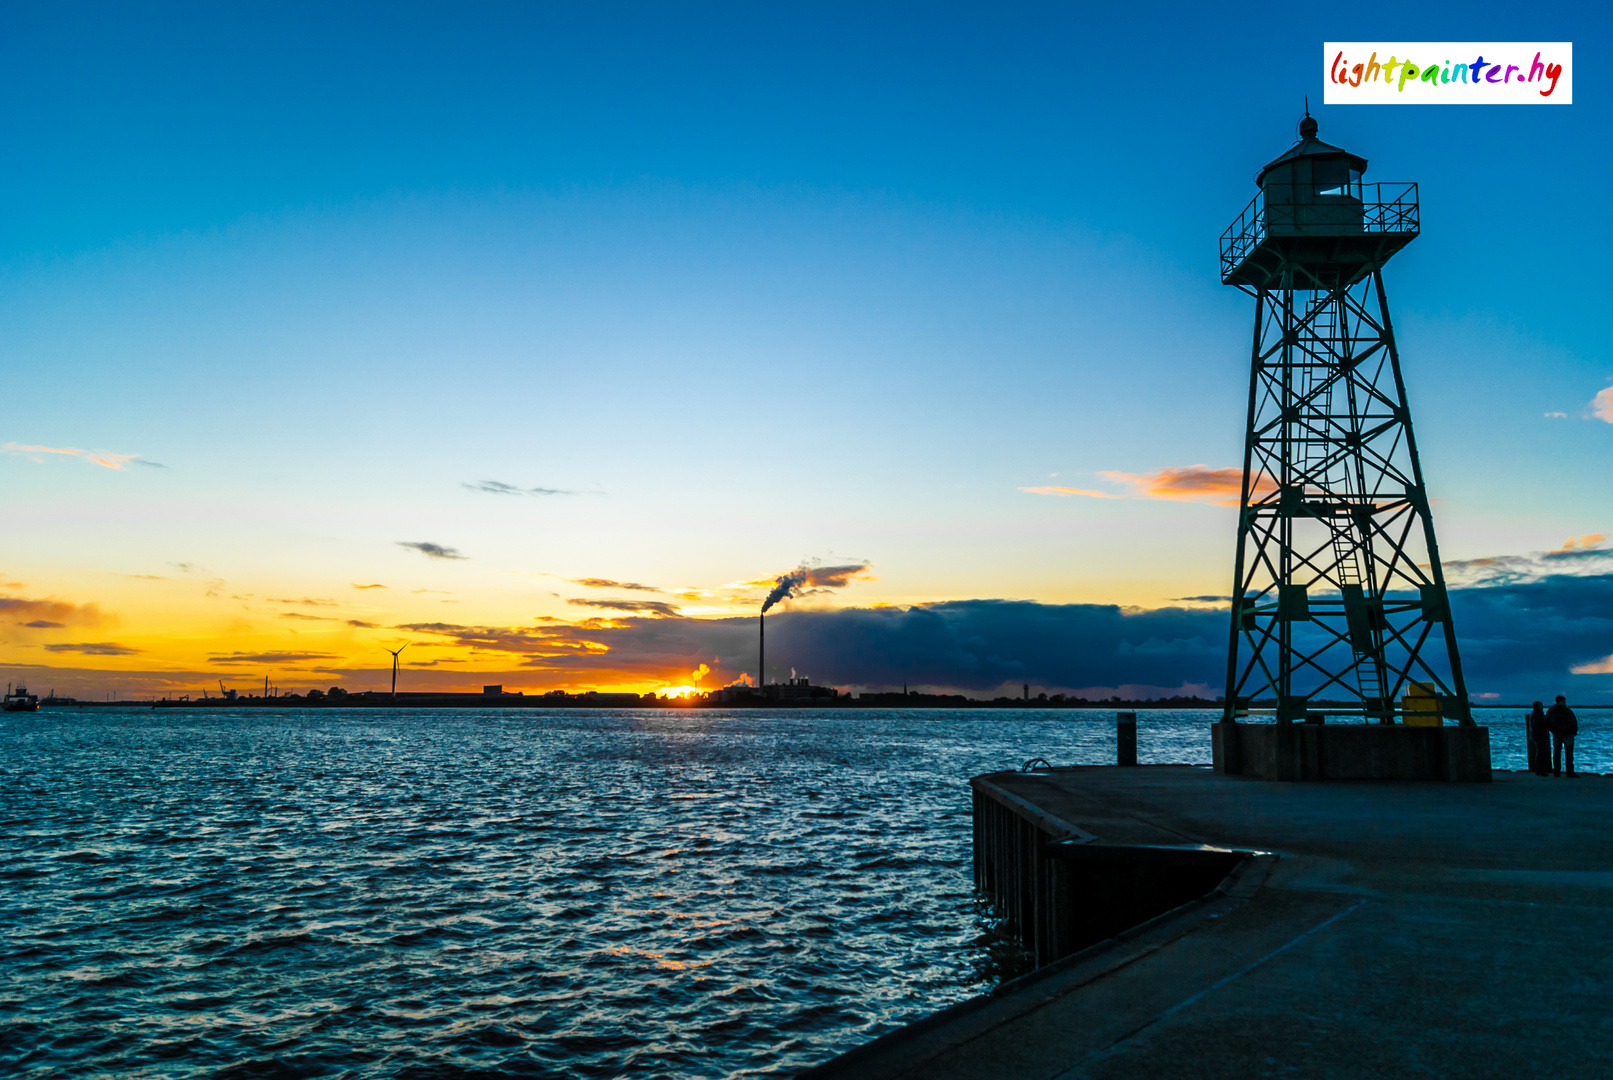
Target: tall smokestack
column 783, row 589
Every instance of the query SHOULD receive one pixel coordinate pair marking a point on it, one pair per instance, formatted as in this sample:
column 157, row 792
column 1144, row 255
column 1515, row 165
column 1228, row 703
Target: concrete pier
column 1221, row 926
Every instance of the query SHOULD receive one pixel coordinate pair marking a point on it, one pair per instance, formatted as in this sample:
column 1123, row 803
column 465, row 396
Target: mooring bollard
column 1126, row 738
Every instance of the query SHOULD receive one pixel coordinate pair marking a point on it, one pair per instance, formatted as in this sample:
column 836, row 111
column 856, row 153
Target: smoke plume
column 785, row 588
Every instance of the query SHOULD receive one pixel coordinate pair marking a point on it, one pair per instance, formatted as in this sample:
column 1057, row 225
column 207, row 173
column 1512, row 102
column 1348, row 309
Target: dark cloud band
column 1520, row 641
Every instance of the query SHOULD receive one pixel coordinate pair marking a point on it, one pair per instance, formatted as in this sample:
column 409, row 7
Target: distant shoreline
column 912, row 700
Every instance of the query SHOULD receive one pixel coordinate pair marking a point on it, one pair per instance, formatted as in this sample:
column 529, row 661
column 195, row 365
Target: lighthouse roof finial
column 1307, row 124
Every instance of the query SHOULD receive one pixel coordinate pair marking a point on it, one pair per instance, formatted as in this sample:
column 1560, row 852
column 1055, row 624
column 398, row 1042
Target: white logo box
column 1443, row 72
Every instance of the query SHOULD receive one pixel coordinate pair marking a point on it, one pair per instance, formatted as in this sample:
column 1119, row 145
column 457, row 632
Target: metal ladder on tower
column 1330, row 333
column 1368, row 673
column 1316, row 391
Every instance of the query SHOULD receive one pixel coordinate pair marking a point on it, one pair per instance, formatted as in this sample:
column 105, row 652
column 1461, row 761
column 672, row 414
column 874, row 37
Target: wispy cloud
column 1062, row 491
column 495, row 487
column 638, row 607
column 607, row 583
column 1579, row 556
column 1602, row 405
column 44, row 624
column 304, row 602
column 492, row 638
column 1556, row 416
column 360, row 624
column 356, row 585
column 310, row 618
column 434, row 551
column 92, row 648
column 103, row 458
column 269, row 657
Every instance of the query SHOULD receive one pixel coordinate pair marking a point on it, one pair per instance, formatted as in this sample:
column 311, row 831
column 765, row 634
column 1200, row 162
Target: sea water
column 507, row 893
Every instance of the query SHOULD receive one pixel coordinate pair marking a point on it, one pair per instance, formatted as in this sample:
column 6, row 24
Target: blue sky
column 746, row 285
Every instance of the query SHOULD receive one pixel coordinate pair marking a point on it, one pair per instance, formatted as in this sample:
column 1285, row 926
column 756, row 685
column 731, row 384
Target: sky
column 541, row 339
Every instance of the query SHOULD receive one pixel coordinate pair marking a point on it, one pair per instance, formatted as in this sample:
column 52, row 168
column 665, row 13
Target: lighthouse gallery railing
column 1289, row 210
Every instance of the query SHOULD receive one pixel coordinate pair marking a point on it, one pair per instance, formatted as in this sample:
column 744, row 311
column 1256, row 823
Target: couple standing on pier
column 1551, row 734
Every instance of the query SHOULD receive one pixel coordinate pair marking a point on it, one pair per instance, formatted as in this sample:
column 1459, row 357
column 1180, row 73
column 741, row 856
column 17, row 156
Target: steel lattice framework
column 1338, row 598
column 1338, row 589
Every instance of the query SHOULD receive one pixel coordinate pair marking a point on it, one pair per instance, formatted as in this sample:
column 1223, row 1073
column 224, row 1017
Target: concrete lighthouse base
column 1351, row 752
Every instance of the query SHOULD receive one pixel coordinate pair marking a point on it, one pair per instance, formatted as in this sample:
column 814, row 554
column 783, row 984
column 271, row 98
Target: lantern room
column 1315, row 223
column 1314, row 189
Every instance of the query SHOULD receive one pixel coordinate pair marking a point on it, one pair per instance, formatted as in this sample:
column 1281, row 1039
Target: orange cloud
column 1191, row 483
column 1061, row 491
column 1603, row 666
column 1588, row 542
column 1602, row 405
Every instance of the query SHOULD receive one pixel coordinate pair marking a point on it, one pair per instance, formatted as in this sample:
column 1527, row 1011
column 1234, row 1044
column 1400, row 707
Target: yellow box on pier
column 1420, row 706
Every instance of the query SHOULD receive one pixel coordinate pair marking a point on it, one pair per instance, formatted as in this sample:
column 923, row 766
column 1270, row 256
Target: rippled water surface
column 457, row 894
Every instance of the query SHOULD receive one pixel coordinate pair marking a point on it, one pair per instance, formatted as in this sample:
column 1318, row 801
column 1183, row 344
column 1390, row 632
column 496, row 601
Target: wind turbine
column 395, row 653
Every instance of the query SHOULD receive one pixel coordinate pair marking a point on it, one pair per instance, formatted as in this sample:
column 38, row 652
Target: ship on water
column 20, row 700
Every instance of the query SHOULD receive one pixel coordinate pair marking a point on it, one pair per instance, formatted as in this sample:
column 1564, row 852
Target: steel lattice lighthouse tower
column 1337, row 595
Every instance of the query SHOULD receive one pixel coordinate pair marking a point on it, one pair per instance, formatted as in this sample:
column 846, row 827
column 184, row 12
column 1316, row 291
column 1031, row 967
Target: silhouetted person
column 1564, row 725
column 1539, row 737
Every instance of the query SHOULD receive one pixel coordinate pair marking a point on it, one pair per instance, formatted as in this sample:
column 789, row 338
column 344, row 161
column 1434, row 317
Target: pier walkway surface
column 1402, row 930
